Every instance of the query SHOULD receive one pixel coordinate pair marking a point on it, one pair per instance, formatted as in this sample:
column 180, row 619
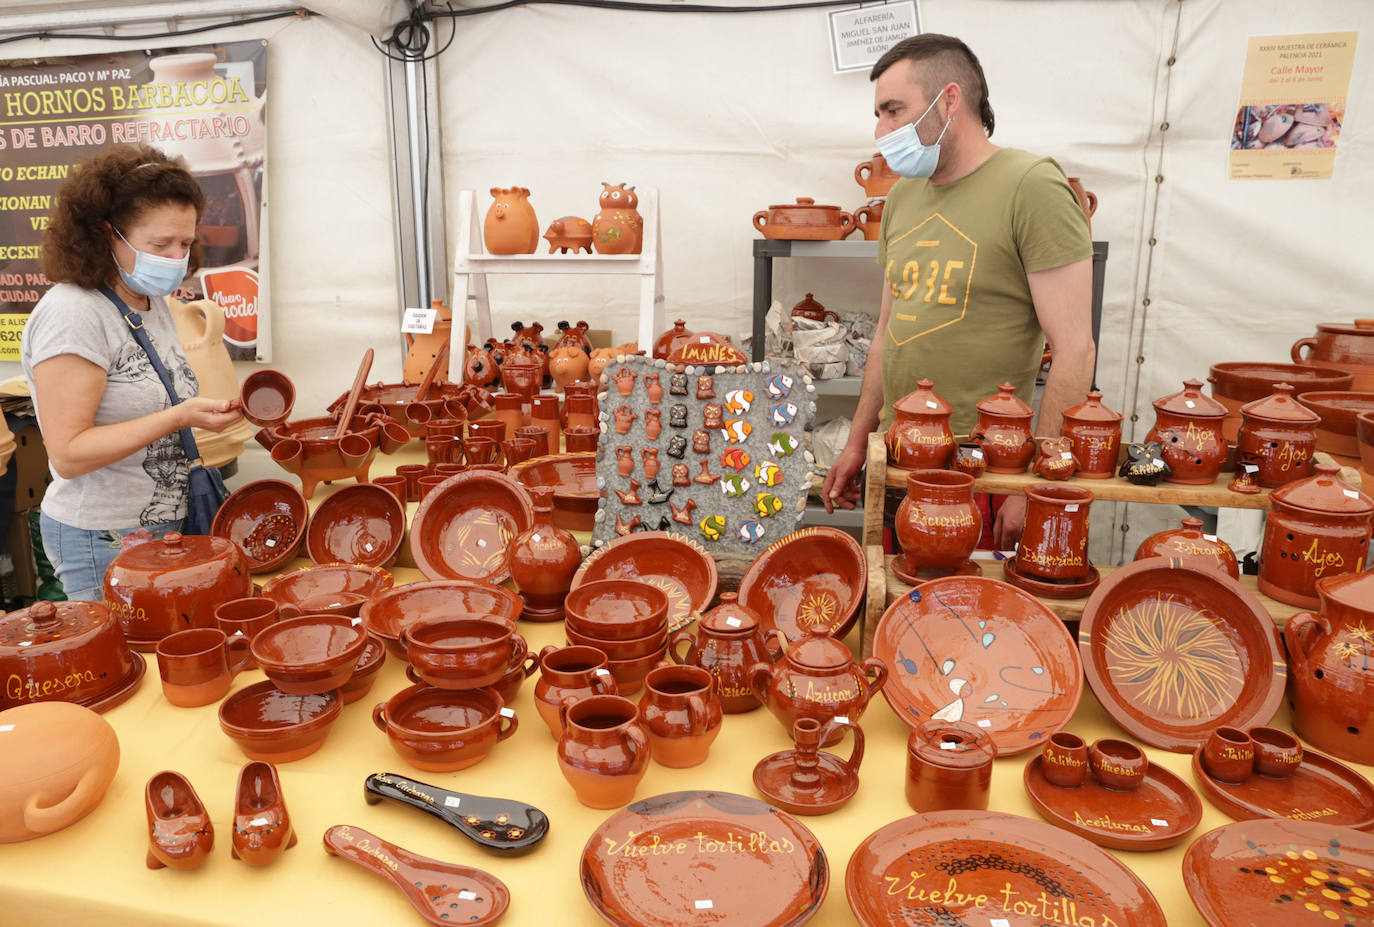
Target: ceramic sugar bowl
column 920, row 436
column 1331, row 678
column 1004, row 430
column 728, row 644
column 1188, row 427
column 817, row 677
column 1317, row 527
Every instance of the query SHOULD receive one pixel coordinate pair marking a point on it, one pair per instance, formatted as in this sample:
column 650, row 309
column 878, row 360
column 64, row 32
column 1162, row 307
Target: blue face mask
column 153, row 275
column 904, row 153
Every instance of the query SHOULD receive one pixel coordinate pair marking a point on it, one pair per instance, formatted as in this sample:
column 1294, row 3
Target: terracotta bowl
column 1364, row 434
column 573, row 479
column 629, row 674
column 1338, row 411
column 357, row 524
column 1236, row 383
column 388, row 614
column 679, row 566
column 650, row 644
column 811, row 576
column 616, row 609
column 461, row 652
column 442, row 730
column 266, row 397
column 267, row 519
column 464, row 526
column 310, row 654
column 272, row 725
column 330, row 589
column 365, row 673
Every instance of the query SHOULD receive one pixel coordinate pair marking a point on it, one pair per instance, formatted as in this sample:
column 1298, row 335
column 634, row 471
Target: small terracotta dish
column 442, row 730
column 461, row 652
column 387, row 615
column 1319, row 789
column 1045, row 589
column 267, row 519
column 266, row 397
column 365, row 673
column 272, row 725
column 357, row 524
column 326, row 588
column 815, row 576
column 508, row 826
column 616, row 610
column 573, row 480
column 679, row 566
column 311, row 654
column 464, row 527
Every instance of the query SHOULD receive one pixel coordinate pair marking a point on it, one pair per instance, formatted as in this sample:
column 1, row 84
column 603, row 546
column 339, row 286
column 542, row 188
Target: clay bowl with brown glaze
column 391, row 612
column 267, row 519
column 815, row 576
column 1364, row 435
column 365, row 672
column 266, row 397
column 441, row 730
column 1336, row 433
column 327, row 589
column 678, row 565
column 464, row 527
column 272, row 725
column 1236, row 383
column 397, row 400
column 357, row 524
column 462, row 651
column 616, row 610
column 573, row 480
column 310, row 654
column 651, row 644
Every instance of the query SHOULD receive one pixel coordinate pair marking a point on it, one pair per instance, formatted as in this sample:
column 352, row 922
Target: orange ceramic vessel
column 1004, row 430
column 618, row 228
column 1331, row 682
column 681, row 714
column 869, row 219
column 66, row 651
column 937, row 523
column 603, row 751
column 569, row 674
column 543, row 559
column 1190, row 545
column 948, row 766
column 1343, row 346
column 728, row 644
column 511, row 227
column 875, row 176
column 817, row 678
column 1054, row 460
column 57, row 763
column 1095, row 433
column 1280, row 435
column 441, row 730
column 920, row 436
column 1054, row 545
column 1188, row 427
column 1317, row 527
column 804, row 220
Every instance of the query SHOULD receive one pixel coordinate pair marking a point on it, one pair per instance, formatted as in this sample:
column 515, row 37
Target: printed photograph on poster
column 205, row 104
column 1292, row 106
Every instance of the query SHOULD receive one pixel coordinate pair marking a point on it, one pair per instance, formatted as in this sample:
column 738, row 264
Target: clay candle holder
column 440, row 730
column 1117, row 764
column 311, row 654
column 1277, row 753
column 806, row 780
column 1228, row 755
column 465, row 652
column 272, row 725
column 1054, row 545
column 603, row 751
column 949, row 765
column 1004, row 431
column 267, row 397
column 1064, row 761
column 920, row 436
column 937, row 523
column 198, row 666
column 681, row 714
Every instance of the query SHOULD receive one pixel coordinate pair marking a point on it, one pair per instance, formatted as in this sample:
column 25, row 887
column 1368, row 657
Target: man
column 986, row 255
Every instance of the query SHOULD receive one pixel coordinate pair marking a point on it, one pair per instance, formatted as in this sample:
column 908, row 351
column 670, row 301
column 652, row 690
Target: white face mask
column 904, row 152
column 153, row 275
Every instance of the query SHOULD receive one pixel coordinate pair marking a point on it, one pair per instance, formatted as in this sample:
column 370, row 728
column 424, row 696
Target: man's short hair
column 943, row 59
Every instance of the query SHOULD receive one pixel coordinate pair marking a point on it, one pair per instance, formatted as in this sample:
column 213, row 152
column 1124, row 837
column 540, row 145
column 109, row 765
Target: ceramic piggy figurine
column 618, row 228
column 569, row 232
column 567, row 364
column 603, row 356
column 511, row 226
column 574, row 335
column 480, row 369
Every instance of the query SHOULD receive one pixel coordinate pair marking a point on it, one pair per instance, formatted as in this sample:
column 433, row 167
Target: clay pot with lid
column 174, row 583
column 1317, row 527
column 66, row 651
column 543, row 560
column 1280, row 435
column 1330, row 677
column 920, row 436
column 937, row 522
column 1188, row 429
column 875, row 176
column 728, row 644
column 1235, row 383
column 817, row 677
column 948, row 766
column 1346, row 346
column 1192, row 546
column 1054, row 544
column 810, row 308
column 1095, row 433
column 804, row 220
column 57, row 763
column 1004, row 430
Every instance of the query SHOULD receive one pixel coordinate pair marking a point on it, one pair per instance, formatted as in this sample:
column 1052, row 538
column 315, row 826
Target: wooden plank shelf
column 1116, row 489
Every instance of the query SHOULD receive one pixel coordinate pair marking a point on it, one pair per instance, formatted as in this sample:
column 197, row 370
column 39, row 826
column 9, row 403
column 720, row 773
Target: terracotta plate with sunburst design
column 464, row 527
column 1173, row 651
column 814, row 576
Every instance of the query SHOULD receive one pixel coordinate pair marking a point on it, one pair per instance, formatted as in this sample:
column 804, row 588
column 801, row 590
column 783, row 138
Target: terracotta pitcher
column 728, row 644
column 1087, row 200
column 937, row 523
column 1317, row 527
column 681, row 713
column 543, row 559
column 569, row 674
column 1004, row 430
column 817, row 678
column 920, row 436
column 875, row 176
column 604, row 750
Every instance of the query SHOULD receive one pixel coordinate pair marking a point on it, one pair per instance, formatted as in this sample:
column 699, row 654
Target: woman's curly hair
column 112, row 189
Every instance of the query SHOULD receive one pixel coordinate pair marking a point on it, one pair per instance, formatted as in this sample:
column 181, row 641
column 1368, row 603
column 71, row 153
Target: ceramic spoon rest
column 502, row 824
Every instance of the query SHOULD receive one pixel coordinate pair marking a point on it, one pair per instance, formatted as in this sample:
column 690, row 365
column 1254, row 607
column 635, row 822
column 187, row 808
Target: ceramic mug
column 440, row 448
column 1117, row 764
column 394, row 484
column 1228, row 755
column 539, row 435
column 1065, row 760
column 681, row 712
column 445, row 426
column 603, row 751
column 198, row 666
column 569, row 673
column 1277, row 753
column 480, row 450
column 580, row 439
column 492, row 428
column 412, row 474
column 245, row 618
column 428, row 482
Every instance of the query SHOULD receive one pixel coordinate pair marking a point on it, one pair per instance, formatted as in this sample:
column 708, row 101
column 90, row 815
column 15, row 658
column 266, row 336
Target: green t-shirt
column 956, row 257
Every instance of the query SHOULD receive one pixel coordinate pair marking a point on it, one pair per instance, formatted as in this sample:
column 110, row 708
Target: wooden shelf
column 1116, row 489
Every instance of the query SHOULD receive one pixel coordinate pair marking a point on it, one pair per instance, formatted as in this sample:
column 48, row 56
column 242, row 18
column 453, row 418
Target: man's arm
column 841, row 482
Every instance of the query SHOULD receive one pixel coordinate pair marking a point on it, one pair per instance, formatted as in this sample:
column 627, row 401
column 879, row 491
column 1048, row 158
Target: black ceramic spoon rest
column 502, row 824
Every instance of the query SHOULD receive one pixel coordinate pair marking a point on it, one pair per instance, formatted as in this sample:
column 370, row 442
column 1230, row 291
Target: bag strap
column 135, row 322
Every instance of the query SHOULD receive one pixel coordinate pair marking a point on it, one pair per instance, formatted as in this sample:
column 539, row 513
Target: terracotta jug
column 1330, row 674
column 1004, row 430
column 617, row 228
column 1190, row 545
column 58, row 760
column 1054, row 545
column 869, row 219
column 681, row 713
column 920, row 436
column 1280, row 435
column 817, row 677
column 1188, row 428
column 875, row 176
column 543, row 559
column 579, row 409
column 566, row 675
column 200, row 329
column 937, row 522
column 604, row 750
column 1095, row 433
column 728, row 644
column 1317, row 527
column 511, row 226
column 423, row 348
column 1087, row 200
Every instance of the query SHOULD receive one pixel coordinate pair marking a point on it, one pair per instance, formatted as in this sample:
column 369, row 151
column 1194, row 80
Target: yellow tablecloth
column 94, row 872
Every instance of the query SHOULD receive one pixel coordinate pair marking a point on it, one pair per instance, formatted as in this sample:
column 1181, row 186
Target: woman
column 126, row 220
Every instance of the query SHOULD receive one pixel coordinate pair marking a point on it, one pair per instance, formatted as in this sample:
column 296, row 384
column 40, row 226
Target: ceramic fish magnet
column 750, row 530
column 677, row 384
column 677, row 446
column 713, row 415
column 782, row 413
column 701, row 441
column 712, row 526
column 677, row 416
column 768, row 473
column 778, row 386
column 1144, row 464
column 738, row 401
column 767, row 505
column 736, row 430
column 734, row 485
column 782, row 445
column 734, row 459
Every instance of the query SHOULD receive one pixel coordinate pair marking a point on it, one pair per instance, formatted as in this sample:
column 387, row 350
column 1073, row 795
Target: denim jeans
column 81, row 556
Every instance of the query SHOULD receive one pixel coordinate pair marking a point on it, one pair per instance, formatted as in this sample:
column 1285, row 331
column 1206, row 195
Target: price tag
column 534, row 537
column 842, row 719
column 6, row 728
column 999, row 922
column 1350, row 493
column 1066, row 455
column 1210, row 537
column 354, row 622
column 1071, row 507
column 1158, row 462
column 603, row 672
column 419, row 321
column 467, row 896
column 733, row 622
column 508, row 712
column 1158, row 823
column 931, row 404
column 452, row 801
column 946, row 745
column 985, row 723
column 1189, row 403
column 270, row 542
column 481, row 542
column 976, row 453
column 260, row 822
column 704, row 339
column 703, row 904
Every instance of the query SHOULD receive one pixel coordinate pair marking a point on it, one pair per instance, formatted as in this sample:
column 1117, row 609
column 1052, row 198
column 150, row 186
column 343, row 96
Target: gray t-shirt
column 149, row 486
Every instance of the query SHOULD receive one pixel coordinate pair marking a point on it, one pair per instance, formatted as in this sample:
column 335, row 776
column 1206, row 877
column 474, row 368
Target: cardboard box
column 599, row 337
column 30, row 463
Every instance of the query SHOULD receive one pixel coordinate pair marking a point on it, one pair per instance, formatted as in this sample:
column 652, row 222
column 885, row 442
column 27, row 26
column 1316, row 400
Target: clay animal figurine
column 569, row 233
column 511, row 226
column 532, row 334
column 1055, row 460
column 618, row 228
column 480, row 369
column 1144, row 464
column 603, row 356
column 631, row 497
column 574, row 336
column 682, row 514
column 623, row 527
column 568, row 364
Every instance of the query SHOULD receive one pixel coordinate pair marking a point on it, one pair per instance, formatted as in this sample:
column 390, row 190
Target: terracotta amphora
column 200, row 329
column 1004, row 430
column 511, row 226
column 604, row 750
column 728, row 644
column 543, row 559
column 1317, row 527
column 937, row 522
column 875, row 176
column 920, row 436
column 681, row 713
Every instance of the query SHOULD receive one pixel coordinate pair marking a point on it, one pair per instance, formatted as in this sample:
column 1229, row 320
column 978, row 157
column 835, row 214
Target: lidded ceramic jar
column 948, row 766
column 68, row 652
column 817, row 677
column 1280, row 435
column 1317, row 527
column 728, row 644
column 1188, row 427
column 810, row 308
column 1054, row 544
column 920, row 436
column 1347, row 346
column 1004, row 429
column 1190, row 545
column 174, row 583
column 1095, row 433
column 663, row 345
column 937, row 522
column 1330, row 675
column 543, row 559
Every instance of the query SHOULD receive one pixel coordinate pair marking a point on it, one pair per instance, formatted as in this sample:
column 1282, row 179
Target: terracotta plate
column 387, row 614
column 811, row 576
column 1173, row 651
column 322, row 583
column 267, row 519
column 357, row 524
column 986, row 868
column 1276, row 871
column 464, row 527
column 679, row 566
column 573, row 479
column 981, row 651
column 734, row 862
column 1321, row 789
column 1157, row 814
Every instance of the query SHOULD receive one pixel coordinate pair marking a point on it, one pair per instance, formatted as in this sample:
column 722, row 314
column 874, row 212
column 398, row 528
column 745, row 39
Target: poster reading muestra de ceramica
column 205, row 104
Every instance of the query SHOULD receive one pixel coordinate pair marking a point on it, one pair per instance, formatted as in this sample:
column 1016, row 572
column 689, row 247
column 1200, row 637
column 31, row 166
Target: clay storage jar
column 1280, row 434
column 1188, row 427
column 948, row 766
column 1004, row 429
column 1190, row 545
column 937, row 523
column 920, row 436
column 1095, row 433
column 1346, row 346
column 1317, row 527
column 1054, row 545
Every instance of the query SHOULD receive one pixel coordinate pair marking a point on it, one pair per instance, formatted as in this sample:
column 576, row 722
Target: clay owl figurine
column 618, row 228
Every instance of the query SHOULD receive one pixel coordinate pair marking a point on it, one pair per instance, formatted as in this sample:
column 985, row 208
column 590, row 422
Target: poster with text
column 1292, row 106
column 205, row 104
